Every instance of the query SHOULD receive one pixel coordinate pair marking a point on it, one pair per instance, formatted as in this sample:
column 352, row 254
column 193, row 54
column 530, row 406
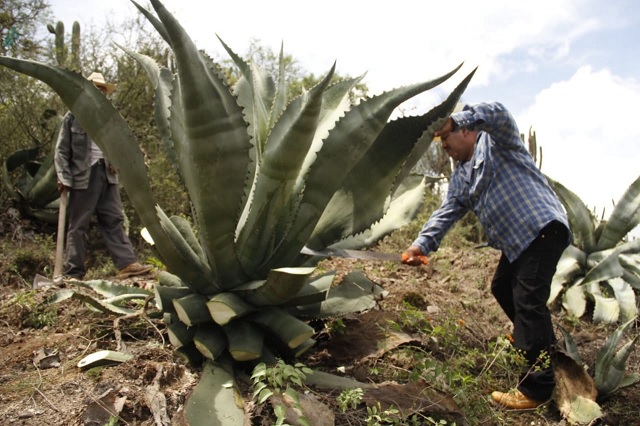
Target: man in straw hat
column 496, row 178
column 92, row 183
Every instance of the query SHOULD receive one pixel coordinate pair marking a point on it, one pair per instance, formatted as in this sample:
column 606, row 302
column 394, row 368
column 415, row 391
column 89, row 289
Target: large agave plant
column 600, row 266
column 266, row 176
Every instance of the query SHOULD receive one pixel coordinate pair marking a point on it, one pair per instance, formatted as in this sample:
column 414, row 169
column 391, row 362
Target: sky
column 569, row 69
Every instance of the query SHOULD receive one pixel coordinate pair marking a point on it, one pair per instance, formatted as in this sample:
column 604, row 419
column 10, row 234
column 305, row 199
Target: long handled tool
column 62, row 217
column 40, row 281
column 359, row 254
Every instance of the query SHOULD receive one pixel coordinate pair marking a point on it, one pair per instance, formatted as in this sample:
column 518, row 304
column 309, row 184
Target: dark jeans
column 103, row 198
column 522, row 289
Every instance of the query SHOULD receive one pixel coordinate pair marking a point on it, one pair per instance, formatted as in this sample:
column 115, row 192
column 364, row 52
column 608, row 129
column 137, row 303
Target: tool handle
column 62, row 215
column 423, row 259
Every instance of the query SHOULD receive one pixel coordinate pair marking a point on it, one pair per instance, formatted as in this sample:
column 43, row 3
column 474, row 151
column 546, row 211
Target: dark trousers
column 102, row 198
column 522, row 289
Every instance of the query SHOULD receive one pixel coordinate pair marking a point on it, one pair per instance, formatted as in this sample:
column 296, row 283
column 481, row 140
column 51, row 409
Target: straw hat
column 98, row 80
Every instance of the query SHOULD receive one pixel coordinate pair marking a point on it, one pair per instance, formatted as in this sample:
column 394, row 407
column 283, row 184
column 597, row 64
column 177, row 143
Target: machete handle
column 406, row 257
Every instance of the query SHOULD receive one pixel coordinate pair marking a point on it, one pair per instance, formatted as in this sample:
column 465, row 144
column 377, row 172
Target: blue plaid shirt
column 500, row 184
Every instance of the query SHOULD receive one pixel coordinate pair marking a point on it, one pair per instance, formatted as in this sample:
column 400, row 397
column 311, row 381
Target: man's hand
column 413, row 256
column 112, row 169
column 446, row 128
column 62, row 187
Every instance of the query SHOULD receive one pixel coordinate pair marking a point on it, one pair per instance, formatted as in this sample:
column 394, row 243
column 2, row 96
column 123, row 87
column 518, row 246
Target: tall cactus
column 67, row 58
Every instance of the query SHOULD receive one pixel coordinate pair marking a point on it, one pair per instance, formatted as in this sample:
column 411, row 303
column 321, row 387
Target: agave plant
column 35, row 189
column 266, row 176
column 610, row 365
column 600, row 265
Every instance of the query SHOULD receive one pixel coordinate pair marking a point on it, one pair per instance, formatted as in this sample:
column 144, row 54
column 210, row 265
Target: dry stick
column 120, row 346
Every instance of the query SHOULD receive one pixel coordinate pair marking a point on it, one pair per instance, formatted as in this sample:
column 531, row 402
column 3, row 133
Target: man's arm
column 62, row 156
column 493, row 118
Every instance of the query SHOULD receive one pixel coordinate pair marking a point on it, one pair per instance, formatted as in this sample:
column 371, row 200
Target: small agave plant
column 600, row 265
column 266, row 176
column 609, row 375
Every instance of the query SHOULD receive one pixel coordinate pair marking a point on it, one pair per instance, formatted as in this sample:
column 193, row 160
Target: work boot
column 515, row 400
column 132, row 270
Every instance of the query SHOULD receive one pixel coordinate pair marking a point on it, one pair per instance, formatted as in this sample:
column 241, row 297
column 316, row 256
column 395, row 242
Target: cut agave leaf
column 101, row 358
column 210, row 340
column 224, row 307
column 216, row 400
column 284, row 326
column 245, row 340
column 192, row 309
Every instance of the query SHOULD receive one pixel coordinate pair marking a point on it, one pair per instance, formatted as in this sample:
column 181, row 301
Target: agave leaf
column 245, row 340
column 288, row 144
column 609, row 268
column 285, row 327
column 216, row 400
column 162, row 82
column 281, row 285
column 314, row 292
column 105, row 125
column 216, row 157
column 98, row 305
column 626, row 298
column 582, row 411
column 611, row 362
column 157, row 24
column 210, row 340
column 180, row 335
column 356, row 293
column 570, row 266
column 606, row 309
column 570, row 346
column 360, row 126
column 581, row 221
column 629, row 380
column 427, row 137
column 574, row 300
column 43, row 188
column 164, row 296
column 226, row 307
column 192, row 309
column 201, row 277
column 624, row 217
column 403, row 209
column 256, row 92
column 363, row 198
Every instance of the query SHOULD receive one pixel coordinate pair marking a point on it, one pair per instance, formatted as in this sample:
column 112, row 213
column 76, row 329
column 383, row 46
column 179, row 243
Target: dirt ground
column 41, row 384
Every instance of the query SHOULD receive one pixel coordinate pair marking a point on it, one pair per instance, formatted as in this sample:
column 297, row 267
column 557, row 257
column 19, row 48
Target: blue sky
column 569, row 68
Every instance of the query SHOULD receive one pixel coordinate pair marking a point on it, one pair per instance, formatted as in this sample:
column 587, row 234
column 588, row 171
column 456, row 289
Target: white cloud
column 587, row 128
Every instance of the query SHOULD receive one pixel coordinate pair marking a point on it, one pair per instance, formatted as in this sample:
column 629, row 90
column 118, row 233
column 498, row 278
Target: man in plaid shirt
column 497, row 179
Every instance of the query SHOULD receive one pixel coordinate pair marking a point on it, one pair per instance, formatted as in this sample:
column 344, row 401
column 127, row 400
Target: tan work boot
column 133, row 269
column 515, row 400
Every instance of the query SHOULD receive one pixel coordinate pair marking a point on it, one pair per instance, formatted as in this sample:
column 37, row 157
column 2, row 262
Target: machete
column 360, row 254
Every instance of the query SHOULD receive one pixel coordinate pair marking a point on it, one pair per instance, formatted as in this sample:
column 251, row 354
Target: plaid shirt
column 500, row 184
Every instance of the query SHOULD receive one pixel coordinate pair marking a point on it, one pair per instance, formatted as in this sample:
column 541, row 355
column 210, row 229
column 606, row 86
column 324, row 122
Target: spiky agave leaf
column 366, row 191
column 572, row 264
column 215, row 157
column 611, row 362
column 581, row 220
column 360, row 126
column 288, row 144
column 624, row 217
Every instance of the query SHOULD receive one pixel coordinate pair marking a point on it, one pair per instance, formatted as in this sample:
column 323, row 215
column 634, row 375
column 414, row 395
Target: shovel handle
column 62, row 217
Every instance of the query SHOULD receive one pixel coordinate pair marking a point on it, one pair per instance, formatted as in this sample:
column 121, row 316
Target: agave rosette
column 601, row 265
